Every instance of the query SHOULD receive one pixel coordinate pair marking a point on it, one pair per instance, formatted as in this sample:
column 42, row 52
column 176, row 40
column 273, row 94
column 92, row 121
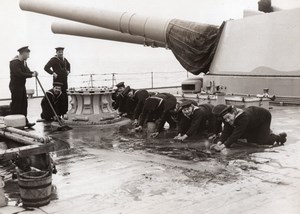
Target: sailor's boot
column 281, row 138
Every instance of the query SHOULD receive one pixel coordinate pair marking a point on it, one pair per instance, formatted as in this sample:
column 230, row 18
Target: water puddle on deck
column 124, row 139
column 72, row 146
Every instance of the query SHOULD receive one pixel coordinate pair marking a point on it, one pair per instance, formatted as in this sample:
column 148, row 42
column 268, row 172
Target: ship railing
column 137, row 80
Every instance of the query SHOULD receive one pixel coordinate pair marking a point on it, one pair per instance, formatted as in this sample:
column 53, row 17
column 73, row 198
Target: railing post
column 113, row 80
column 36, row 88
column 151, row 79
column 91, row 79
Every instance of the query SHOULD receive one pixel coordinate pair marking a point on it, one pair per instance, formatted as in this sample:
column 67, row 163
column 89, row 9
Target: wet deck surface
column 111, row 170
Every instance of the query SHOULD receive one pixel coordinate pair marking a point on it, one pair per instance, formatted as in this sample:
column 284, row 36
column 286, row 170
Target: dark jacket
column 120, row 102
column 157, row 108
column 56, row 102
column 19, row 72
column 139, row 100
column 197, row 121
column 253, row 124
column 60, row 67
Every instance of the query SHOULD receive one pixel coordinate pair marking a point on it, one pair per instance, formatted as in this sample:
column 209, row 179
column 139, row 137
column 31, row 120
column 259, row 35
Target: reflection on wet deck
column 112, row 170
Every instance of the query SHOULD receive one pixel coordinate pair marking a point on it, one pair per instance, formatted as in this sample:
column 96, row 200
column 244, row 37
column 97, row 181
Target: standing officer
column 252, row 123
column 19, row 72
column 60, row 68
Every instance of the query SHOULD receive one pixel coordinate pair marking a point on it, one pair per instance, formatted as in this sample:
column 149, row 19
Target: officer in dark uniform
column 19, row 72
column 252, row 123
column 157, row 108
column 136, row 101
column 196, row 119
column 60, row 68
column 56, row 99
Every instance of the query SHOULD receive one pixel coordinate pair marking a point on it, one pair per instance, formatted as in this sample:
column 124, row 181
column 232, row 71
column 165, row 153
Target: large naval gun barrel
column 193, row 44
column 131, row 23
column 77, row 29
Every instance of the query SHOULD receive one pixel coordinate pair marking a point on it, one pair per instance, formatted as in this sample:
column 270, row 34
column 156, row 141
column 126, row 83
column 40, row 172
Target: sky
column 20, row 28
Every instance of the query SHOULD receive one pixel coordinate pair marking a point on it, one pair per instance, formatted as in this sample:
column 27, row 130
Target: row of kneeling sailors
column 224, row 123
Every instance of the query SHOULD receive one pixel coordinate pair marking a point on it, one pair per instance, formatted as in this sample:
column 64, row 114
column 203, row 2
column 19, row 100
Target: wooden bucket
column 35, row 188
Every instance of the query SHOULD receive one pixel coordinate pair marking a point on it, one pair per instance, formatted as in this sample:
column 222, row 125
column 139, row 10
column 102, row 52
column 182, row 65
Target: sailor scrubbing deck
column 56, row 98
column 252, row 123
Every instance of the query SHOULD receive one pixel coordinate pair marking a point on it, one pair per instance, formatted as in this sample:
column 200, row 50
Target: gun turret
column 193, row 44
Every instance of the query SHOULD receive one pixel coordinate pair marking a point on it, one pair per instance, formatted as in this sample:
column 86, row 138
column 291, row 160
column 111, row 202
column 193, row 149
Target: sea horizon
column 138, row 76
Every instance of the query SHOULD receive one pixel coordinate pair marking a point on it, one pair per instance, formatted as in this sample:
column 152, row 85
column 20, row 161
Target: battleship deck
column 110, row 170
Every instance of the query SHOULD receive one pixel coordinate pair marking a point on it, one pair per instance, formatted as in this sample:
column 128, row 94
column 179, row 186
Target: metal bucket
column 35, row 188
